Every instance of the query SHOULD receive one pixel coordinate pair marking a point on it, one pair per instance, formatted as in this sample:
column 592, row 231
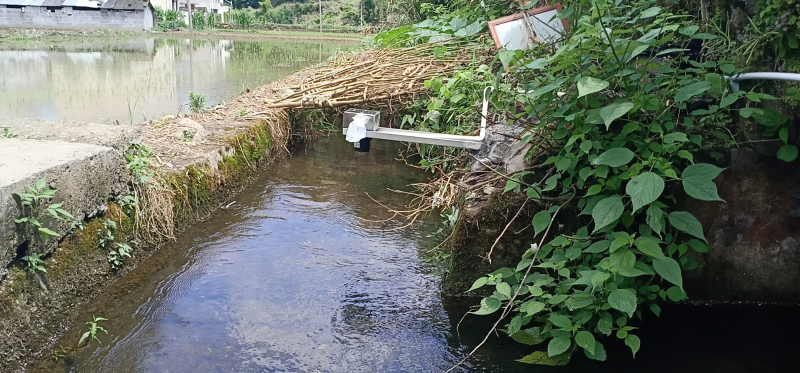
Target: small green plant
column 196, row 101
column 128, row 204
column 34, row 263
column 117, row 257
column 91, row 333
column 33, row 206
column 6, row 134
column 241, row 113
column 61, row 352
column 187, row 136
column 138, row 159
column 105, row 235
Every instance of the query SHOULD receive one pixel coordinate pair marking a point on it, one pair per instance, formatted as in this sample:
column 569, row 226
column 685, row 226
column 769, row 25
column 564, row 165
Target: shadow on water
column 133, row 80
column 291, row 279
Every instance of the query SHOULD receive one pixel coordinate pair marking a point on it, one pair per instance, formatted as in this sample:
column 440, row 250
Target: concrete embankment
column 195, row 164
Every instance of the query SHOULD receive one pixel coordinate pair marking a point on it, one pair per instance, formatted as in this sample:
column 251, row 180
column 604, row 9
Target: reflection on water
column 291, row 279
column 144, row 78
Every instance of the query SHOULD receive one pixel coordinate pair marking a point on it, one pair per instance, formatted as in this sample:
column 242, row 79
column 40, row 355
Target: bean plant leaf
column 623, row 300
column 669, row 270
column 588, row 85
column 614, row 157
column 586, row 340
column 692, row 90
column 504, row 288
column 686, row 222
column 612, row 112
column 532, row 307
column 558, row 346
column 650, row 12
column 607, row 212
column 698, row 181
column 540, row 221
column 488, row 306
column 644, row 189
column 634, row 343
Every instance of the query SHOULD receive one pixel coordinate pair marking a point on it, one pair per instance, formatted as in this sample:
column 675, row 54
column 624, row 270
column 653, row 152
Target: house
column 77, row 14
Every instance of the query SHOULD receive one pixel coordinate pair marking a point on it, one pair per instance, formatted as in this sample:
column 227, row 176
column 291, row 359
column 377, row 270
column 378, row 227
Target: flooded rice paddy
column 133, row 80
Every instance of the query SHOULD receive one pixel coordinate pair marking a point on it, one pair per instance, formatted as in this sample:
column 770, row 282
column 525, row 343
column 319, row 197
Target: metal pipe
column 734, row 80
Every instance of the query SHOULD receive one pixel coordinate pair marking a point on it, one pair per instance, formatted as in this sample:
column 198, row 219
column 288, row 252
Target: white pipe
column 484, row 115
column 734, row 80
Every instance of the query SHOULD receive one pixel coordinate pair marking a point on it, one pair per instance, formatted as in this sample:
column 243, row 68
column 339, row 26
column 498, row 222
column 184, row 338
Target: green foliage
column 629, row 116
column 196, row 101
column 6, row 133
column 34, row 205
column 169, row 19
column 242, row 18
column 105, row 235
column 777, row 25
column 138, row 160
column 34, row 263
column 117, row 257
column 91, row 332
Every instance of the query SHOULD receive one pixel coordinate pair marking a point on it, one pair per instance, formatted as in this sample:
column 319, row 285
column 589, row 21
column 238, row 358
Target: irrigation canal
column 293, row 277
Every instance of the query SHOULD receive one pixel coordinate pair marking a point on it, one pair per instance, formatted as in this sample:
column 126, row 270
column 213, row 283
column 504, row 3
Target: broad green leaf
column 599, row 352
column 607, row 212
column 598, row 247
column 655, row 219
column 612, row 112
column 619, row 242
column 478, row 283
column 669, row 270
column 40, row 184
column 540, row 221
column 537, row 64
column 686, row 222
column 783, row 134
column 531, row 307
column 488, row 305
column 588, row 85
column 558, row 346
column 614, row 157
column 676, row 294
column 698, row 246
column 46, row 231
column 674, row 137
column 605, row 324
column 530, row 336
column 728, row 101
column 623, row 300
column 560, row 321
column 697, row 181
column 650, row 12
column 541, row 358
column 649, row 246
column 586, row 340
column 599, row 278
column 634, row 343
column 471, row 29
column 579, row 300
column 594, row 189
column 510, row 185
column 644, row 189
column 689, row 30
column 692, row 90
column 504, row 288
column 787, row 153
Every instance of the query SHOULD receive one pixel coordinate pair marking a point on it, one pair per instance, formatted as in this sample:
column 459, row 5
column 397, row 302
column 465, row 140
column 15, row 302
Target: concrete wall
column 69, row 18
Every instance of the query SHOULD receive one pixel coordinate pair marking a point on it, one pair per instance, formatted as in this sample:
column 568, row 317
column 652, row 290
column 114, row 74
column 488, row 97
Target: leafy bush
column 169, row 19
column 629, row 112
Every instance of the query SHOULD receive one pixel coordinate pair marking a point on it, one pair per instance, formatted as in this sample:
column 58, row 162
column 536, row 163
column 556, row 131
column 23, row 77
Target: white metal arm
column 734, row 80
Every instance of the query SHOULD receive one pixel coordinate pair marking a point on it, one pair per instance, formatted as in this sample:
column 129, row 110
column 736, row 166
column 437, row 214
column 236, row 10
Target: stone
column 85, row 175
column 190, row 131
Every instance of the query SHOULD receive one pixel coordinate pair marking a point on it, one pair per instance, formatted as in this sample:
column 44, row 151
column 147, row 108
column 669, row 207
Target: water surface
column 133, row 80
column 293, row 278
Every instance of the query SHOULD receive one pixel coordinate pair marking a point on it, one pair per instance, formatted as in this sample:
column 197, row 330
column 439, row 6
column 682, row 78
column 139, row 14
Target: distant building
column 77, row 14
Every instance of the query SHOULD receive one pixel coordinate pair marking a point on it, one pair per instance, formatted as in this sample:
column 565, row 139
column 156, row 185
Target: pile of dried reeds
column 381, row 77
